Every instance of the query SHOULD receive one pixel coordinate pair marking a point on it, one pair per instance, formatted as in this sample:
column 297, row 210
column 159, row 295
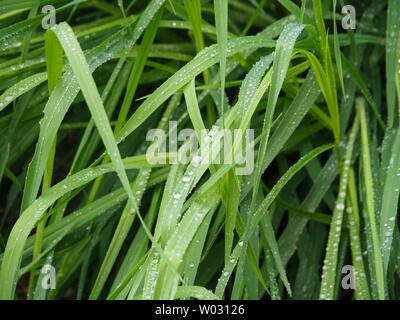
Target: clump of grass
column 80, row 197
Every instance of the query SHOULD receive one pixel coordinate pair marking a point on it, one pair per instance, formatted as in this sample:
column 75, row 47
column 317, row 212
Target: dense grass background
column 77, row 192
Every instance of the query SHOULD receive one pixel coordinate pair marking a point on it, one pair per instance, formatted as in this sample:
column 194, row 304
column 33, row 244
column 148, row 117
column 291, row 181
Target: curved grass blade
column 68, row 89
column 201, row 62
column 261, row 211
column 21, row 88
column 29, row 218
column 86, row 82
column 283, row 54
column 282, row 59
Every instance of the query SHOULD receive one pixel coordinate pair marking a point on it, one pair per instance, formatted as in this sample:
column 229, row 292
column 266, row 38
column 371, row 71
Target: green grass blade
column 362, row 290
column 329, row 269
column 221, row 21
column 370, row 201
column 392, row 49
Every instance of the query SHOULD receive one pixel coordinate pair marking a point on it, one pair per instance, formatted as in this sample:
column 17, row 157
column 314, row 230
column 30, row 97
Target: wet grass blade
column 370, row 207
column 221, row 21
column 329, row 269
